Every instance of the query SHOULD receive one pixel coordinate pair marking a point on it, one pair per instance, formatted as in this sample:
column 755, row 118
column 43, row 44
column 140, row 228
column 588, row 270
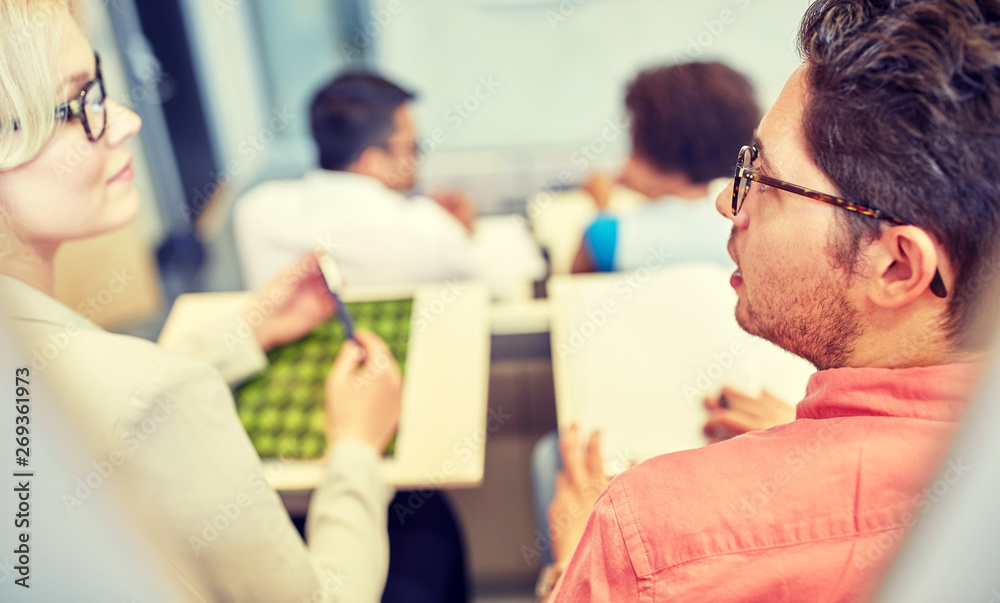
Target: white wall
column 562, row 66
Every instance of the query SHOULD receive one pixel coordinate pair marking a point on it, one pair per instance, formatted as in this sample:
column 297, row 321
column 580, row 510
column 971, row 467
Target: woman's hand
column 363, row 392
column 734, row 413
column 578, row 486
column 292, row 305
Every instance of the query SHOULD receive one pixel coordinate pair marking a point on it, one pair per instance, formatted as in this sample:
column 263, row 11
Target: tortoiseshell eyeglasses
column 89, row 106
column 746, row 174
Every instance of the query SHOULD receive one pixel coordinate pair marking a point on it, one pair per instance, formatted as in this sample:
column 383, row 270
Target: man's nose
column 724, row 202
column 724, row 205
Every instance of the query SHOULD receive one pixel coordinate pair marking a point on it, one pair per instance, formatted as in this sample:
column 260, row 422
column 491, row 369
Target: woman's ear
column 905, row 261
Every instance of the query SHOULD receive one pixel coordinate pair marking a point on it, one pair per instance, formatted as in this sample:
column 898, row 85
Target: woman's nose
column 123, row 123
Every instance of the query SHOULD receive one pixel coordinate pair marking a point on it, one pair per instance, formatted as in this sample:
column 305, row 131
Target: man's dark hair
column 351, row 113
column 691, row 118
column 904, row 114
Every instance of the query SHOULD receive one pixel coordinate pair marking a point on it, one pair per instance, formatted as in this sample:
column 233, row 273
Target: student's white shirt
column 167, row 420
column 377, row 235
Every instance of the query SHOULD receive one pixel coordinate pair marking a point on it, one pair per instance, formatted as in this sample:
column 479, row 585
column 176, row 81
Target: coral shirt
column 808, row 511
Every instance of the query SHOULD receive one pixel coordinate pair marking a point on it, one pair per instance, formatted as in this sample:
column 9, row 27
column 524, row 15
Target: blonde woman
column 166, row 417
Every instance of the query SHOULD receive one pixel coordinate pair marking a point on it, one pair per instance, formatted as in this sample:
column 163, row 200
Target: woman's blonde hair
column 30, row 41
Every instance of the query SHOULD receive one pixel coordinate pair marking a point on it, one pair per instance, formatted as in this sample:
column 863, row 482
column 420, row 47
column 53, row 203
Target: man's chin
column 743, row 316
column 746, row 319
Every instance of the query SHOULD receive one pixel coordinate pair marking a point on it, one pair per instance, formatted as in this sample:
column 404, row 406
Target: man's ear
column 903, row 260
column 369, row 163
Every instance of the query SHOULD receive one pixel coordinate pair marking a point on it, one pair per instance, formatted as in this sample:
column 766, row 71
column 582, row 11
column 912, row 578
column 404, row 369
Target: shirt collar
column 20, row 300
column 935, row 393
column 348, row 180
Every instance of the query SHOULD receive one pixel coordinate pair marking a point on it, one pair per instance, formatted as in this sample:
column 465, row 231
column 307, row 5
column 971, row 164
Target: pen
column 334, row 283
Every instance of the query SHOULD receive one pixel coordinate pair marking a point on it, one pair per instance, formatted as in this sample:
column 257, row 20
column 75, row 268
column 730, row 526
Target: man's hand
column 578, row 486
column 292, row 305
column 734, row 413
column 363, row 396
column 459, row 205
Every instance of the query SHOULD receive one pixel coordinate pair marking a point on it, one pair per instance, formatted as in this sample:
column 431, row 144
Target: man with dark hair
column 354, row 206
column 354, row 119
column 685, row 119
column 863, row 219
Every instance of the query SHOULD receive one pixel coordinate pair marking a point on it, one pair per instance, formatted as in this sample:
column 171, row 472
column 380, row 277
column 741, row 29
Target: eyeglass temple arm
column 937, row 285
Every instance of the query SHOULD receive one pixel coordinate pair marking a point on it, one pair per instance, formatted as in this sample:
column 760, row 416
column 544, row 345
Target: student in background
column 685, row 121
column 355, row 205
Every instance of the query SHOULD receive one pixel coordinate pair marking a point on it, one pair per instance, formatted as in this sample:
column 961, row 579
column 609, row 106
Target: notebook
column 635, row 354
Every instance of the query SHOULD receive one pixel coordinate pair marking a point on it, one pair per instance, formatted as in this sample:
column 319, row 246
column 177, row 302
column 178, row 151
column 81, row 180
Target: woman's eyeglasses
column 88, row 106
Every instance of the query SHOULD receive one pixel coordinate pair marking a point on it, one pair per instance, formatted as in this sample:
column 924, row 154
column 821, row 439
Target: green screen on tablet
column 283, row 407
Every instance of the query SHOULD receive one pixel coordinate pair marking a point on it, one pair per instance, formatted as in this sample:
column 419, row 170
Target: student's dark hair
column 903, row 113
column 351, row 113
column 691, row 118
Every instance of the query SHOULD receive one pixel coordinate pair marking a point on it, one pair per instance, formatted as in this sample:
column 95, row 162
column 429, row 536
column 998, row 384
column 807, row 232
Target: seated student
column 873, row 279
column 354, row 205
column 167, row 418
column 685, row 119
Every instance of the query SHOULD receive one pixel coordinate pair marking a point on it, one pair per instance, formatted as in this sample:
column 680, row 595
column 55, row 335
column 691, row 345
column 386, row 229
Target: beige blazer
column 166, row 420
